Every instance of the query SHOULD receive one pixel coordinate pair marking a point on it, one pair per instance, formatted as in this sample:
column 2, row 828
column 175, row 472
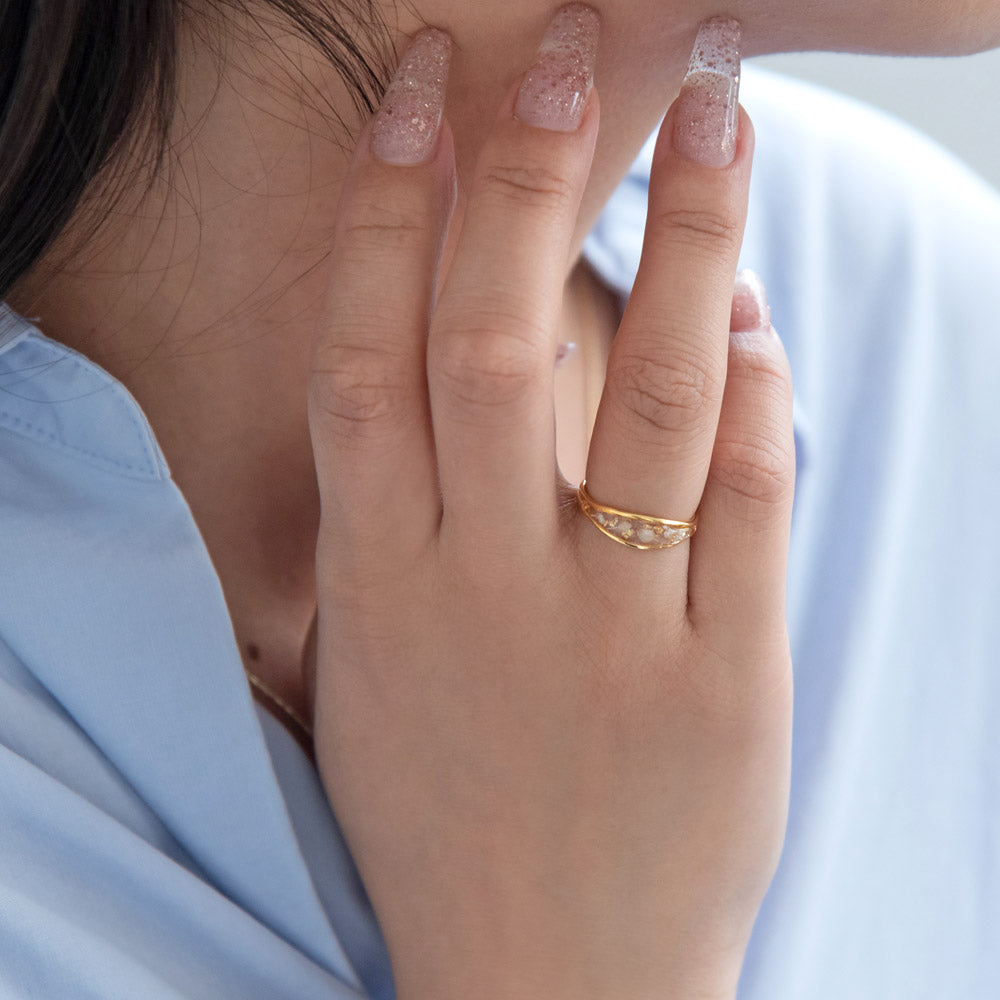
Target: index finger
column 369, row 414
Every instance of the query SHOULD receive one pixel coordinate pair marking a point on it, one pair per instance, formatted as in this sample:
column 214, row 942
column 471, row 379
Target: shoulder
column 841, row 192
column 134, row 774
column 842, row 183
column 835, row 139
column 879, row 248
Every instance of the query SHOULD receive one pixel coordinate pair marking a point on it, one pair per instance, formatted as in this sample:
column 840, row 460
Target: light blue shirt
column 161, row 836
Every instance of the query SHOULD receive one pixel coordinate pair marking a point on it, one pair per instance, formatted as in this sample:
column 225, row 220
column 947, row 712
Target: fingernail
column 707, row 120
column 750, row 308
column 555, row 90
column 407, row 125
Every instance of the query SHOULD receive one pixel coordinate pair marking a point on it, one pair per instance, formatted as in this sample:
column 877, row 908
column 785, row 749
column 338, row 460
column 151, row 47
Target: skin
column 213, row 332
column 646, row 714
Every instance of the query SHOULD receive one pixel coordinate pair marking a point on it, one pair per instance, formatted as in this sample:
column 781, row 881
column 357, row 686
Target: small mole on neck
column 253, row 652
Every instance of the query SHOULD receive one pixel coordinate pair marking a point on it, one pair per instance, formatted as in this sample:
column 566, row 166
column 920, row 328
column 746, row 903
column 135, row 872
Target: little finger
column 736, row 580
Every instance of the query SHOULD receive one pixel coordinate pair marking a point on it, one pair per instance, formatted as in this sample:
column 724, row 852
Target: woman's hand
column 561, row 763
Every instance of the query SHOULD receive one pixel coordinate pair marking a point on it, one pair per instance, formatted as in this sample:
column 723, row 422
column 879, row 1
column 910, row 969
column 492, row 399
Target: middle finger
column 492, row 344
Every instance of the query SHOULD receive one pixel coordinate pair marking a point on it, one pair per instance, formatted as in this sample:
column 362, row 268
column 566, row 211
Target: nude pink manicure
column 555, row 90
column 407, row 125
column 750, row 309
column 707, row 118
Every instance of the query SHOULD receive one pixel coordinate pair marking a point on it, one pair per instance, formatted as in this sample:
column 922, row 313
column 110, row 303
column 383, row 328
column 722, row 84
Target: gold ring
column 638, row 531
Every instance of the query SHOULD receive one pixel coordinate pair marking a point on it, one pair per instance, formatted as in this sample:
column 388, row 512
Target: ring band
column 637, row 531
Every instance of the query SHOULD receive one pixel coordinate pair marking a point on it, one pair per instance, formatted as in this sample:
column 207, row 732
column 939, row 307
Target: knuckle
column 701, row 229
column 379, row 216
column 756, row 475
column 754, row 457
column 487, row 368
column 673, row 395
column 767, row 372
column 375, row 228
column 357, row 392
column 528, row 186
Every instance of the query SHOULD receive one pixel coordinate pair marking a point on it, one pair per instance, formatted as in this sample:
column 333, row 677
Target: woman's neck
column 202, row 301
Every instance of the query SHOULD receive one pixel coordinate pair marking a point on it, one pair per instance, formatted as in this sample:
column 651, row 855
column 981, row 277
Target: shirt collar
column 108, row 596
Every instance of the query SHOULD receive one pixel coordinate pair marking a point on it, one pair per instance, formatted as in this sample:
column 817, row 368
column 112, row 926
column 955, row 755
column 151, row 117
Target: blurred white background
column 957, row 101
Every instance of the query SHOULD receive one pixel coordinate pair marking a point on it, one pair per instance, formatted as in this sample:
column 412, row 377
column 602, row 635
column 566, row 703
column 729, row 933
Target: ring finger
column 655, row 430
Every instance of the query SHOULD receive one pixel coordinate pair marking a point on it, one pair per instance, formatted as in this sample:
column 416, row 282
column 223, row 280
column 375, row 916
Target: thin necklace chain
column 290, row 714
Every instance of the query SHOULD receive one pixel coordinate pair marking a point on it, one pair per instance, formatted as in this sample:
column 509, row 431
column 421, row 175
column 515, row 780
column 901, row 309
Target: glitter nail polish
column 554, row 92
column 406, row 127
column 707, row 113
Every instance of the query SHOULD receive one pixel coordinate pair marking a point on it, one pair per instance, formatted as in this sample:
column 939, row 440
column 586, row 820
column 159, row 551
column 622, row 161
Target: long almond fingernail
column 554, row 92
column 707, row 118
column 406, row 127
